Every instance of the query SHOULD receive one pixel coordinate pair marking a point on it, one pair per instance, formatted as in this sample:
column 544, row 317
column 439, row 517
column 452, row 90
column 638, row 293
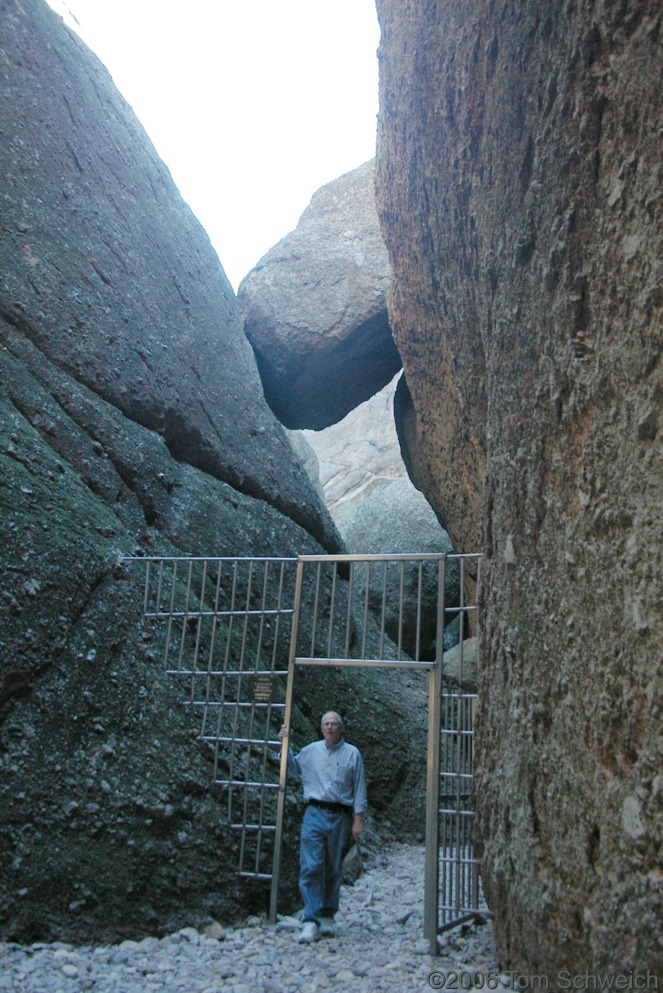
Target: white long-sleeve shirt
column 333, row 774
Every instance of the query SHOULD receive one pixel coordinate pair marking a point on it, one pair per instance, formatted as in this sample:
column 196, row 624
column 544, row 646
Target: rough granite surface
column 519, row 189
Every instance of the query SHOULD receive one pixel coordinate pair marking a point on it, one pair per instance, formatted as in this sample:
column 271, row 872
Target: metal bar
column 420, row 579
column 224, row 672
column 243, row 741
column 247, row 776
column 279, row 601
column 376, row 663
column 366, row 599
column 400, row 611
column 159, row 584
column 263, row 761
column 211, row 558
column 283, row 769
column 332, row 607
column 210, row 704
column 212, row 672
column 242, row 849
column 245, row 782
column 431, row 871
column 169, row 629
column 266, row 744
column 219, row 613
column 196, row 647
column 253, row 827
column 316, row 599
column 185, row 616
column 146, row 588
column 390, row 557
column 383, row 612
column 263, row 613
column 226, row 659
column 210, row 654
column 348, row 613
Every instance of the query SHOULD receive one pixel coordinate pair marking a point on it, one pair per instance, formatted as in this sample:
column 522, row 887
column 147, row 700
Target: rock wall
column 519, row 179
column 91, row 278
column 132, row 421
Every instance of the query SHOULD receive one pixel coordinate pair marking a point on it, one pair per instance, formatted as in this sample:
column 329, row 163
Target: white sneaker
column 327, row 929
column 310, row 932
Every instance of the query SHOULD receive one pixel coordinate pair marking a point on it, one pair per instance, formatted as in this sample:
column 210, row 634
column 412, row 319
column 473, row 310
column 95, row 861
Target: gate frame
column 434, row 667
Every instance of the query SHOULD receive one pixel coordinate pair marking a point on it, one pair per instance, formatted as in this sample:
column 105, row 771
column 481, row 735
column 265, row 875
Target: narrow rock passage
column 379, row 946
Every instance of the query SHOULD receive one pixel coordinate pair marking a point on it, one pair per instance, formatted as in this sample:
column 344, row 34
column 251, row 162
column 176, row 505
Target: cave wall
column 519, row 194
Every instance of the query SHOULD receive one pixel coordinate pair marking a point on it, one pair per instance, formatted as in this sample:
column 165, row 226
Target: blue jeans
column 323, row 843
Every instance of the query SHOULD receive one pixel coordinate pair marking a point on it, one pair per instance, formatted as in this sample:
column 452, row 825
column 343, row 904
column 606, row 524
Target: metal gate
column 226, row 633
column 235, row 631
column 458, row 887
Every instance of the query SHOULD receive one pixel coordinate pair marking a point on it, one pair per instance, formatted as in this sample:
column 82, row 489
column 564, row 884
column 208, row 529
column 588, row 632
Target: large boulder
column 110, row 825
column 132, row 421
column 91, row 275
column 315, row 308
column 519, row 193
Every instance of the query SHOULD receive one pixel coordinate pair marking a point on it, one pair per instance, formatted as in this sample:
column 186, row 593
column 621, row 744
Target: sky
column 252, row 104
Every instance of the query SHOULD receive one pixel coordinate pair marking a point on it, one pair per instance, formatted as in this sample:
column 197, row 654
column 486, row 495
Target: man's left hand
column 357, row 826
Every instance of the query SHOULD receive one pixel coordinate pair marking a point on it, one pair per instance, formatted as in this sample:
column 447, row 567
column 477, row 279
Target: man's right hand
column 284, row 732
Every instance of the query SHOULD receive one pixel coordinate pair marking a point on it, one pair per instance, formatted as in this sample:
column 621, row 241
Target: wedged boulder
column 519, row 192
column 107, row 271
column 315, row 308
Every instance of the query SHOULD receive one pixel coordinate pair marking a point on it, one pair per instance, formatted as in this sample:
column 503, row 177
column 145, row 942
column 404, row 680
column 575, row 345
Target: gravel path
column 378, row 947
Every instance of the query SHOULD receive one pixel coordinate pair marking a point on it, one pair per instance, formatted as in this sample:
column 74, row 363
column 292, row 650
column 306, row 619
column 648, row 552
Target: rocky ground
column 378, row 947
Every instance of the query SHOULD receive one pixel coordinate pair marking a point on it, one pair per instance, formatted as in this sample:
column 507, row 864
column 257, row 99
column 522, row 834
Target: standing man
column 332, row 774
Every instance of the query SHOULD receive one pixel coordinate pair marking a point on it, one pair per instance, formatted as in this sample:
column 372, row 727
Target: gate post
column 431, row 870
column 285, row 742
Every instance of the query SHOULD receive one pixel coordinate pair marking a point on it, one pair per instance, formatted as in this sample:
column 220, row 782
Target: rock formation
column 357, row 455
column 315, row 308
column 519, row 182
column 132, row 420
column 90, row 279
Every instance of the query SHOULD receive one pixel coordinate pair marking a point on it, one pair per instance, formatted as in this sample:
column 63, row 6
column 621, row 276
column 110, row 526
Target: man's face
column 332, row 728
